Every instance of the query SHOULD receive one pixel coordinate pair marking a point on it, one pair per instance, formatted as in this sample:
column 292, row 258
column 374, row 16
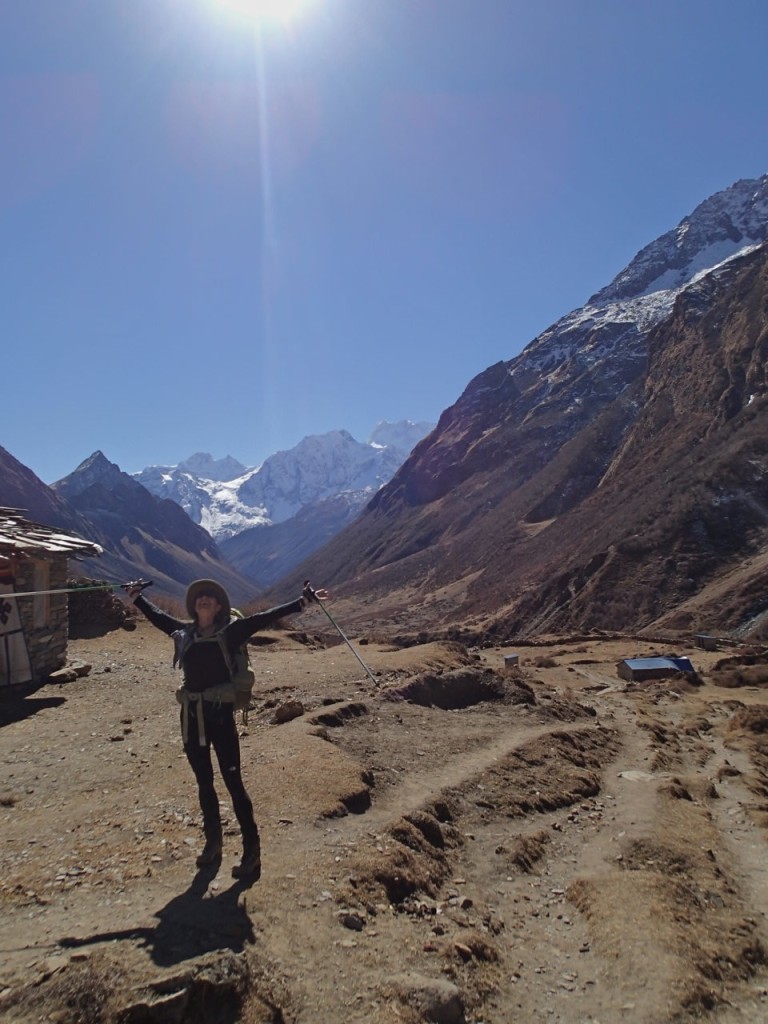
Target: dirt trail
column 574, row 851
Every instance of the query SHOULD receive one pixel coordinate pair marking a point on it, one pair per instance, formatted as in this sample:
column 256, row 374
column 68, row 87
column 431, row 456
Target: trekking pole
column 341, row 633
column 80, row 590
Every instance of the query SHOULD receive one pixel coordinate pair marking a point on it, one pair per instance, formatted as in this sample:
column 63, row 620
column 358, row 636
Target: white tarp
column 15, row 667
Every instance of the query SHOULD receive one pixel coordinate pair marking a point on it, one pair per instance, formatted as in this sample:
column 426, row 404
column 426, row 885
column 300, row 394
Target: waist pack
column 214, row 695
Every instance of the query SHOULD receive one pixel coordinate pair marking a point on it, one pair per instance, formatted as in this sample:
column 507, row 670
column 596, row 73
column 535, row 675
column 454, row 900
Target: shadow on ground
column 190, row 925
column 16, row 708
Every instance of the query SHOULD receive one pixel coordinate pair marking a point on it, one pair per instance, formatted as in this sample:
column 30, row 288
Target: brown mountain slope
column 20, row 488
column 521, row 519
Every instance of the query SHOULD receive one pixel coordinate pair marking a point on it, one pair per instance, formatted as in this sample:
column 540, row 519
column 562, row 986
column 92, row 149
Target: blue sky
column 222, row 234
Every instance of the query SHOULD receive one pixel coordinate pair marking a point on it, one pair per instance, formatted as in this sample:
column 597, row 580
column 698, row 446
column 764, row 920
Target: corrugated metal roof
column 21, row 536
column 644, row 664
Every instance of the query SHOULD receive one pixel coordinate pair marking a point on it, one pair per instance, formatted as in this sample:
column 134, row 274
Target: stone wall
column 94, row 612
column 50, row 620
column 47, row 644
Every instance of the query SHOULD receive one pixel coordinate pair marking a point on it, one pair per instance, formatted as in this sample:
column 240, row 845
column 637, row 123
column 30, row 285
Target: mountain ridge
column 146, row 534
column 510, row 483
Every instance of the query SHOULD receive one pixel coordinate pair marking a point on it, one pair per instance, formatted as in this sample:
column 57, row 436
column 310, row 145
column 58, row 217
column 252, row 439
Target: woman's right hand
column 134, row 589
column 310, row 594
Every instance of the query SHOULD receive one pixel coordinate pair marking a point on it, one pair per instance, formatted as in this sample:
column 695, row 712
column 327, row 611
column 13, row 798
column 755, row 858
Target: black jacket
column 201, row 658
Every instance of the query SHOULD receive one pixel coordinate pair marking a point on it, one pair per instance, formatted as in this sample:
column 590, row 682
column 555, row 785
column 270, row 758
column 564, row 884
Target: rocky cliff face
column 526, row 503
column 676, row 530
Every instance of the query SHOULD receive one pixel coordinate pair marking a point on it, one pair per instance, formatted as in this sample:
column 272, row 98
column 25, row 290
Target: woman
column 205, row 648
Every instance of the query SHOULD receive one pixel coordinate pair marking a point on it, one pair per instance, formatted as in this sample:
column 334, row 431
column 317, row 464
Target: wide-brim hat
column 207, row 587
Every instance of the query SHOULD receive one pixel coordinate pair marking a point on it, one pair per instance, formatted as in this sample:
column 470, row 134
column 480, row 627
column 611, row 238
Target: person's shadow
column 190, row 925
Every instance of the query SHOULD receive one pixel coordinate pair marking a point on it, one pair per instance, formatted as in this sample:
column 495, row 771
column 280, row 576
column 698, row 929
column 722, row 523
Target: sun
column 260, row 11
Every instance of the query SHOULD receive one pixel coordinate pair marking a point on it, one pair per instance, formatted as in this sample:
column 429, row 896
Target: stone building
column 34, row 568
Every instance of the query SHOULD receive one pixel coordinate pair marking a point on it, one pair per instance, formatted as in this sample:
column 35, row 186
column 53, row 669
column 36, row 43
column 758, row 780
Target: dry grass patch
column 525, row 852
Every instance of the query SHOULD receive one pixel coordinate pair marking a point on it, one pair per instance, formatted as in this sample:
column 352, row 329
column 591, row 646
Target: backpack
column 240, row 670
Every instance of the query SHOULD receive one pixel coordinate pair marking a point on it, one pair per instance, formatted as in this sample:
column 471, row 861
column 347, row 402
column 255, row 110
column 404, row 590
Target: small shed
column 34, row 563
column 636, row 669
column 706, row 642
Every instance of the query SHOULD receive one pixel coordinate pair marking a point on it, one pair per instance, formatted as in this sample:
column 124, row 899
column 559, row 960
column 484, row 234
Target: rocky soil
column 464, row 842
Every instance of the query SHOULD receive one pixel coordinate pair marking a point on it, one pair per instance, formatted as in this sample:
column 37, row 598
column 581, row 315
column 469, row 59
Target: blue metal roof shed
column 634, row 669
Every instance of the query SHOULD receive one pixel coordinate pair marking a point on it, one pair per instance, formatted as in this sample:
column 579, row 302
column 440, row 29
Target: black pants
column 221, row 734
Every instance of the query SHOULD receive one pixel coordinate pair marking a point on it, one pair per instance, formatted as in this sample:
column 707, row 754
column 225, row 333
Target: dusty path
column 589, row 856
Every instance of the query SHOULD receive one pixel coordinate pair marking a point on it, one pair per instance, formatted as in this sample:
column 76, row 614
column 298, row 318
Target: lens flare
column 259, row 11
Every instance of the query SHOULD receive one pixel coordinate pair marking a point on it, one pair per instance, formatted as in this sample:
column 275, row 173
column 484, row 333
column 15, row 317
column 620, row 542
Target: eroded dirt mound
column 460, row 688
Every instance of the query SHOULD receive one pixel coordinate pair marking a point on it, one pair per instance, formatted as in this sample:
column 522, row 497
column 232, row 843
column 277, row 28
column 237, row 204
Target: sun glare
column 259, row 11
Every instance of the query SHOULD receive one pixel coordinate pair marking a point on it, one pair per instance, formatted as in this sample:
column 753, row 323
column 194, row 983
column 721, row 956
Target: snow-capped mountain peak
column 605, row 338
column 204, row 465
column 317, row 468
column 404, row 435
column 718, row 228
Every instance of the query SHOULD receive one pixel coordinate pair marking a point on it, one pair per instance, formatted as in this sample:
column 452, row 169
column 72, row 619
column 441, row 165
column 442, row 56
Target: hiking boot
column 211, row 853
column 250, row 866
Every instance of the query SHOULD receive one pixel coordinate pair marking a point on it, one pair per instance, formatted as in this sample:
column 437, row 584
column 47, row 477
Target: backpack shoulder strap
column 182, row 639
column 225, row 649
